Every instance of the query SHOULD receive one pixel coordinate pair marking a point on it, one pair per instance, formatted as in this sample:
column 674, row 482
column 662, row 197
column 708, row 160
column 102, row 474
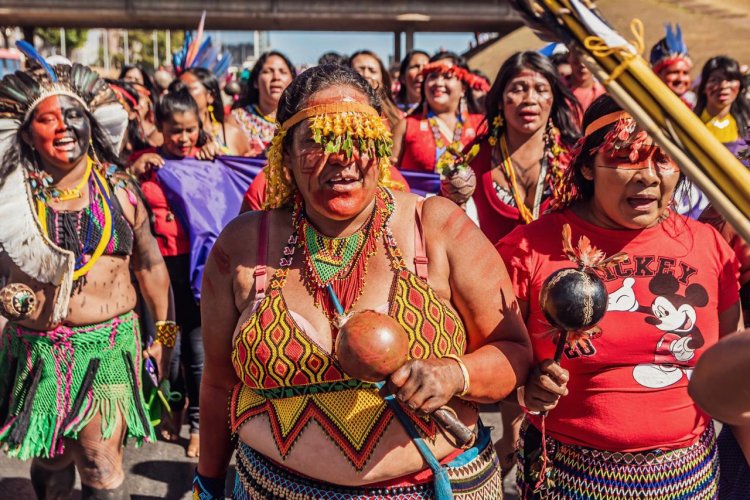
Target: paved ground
column 154, row 471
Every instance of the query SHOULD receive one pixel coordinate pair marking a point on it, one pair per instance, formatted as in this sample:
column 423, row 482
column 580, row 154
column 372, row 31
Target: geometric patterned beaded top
column 287, row 376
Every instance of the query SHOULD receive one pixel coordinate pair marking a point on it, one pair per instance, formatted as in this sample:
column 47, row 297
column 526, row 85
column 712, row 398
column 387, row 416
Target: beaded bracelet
column 464, row 371
column 166, row 333
column 207, row 488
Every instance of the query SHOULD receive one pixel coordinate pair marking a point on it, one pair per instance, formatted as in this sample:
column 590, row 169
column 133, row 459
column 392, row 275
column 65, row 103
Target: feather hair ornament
column 22, row 237
column 199, row 53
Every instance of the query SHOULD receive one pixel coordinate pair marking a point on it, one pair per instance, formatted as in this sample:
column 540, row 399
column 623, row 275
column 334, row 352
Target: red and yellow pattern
column 287, row 376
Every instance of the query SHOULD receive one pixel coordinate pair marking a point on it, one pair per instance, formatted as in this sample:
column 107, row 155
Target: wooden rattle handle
column 447, row 419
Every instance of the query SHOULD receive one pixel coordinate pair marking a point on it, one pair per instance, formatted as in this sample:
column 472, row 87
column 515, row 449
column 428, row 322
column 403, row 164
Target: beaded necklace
column 41, row 185
column 339, row 263
column 510, row 176
column 440, row 145
column 99, row 186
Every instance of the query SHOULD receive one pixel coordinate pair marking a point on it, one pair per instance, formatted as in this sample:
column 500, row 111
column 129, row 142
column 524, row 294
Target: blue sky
column 304, row 47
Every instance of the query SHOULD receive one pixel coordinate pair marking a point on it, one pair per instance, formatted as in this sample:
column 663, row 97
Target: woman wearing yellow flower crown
column 279, row 284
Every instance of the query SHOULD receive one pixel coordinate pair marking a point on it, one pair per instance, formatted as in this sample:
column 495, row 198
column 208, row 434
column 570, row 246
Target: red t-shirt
column 628, row 385
column 256, row 192
column 419, row 147
column 170, row 235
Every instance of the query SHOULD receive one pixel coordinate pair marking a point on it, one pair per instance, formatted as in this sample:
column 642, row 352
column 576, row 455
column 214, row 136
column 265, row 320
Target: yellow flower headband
column 337, row 127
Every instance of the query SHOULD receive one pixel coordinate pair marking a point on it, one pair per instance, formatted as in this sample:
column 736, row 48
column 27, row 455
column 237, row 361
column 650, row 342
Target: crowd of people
column 107, row 339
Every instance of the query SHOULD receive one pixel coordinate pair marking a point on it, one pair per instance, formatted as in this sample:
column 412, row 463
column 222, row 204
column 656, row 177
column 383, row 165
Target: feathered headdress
column 669, row 49
column 22, row 237
column 199, row 53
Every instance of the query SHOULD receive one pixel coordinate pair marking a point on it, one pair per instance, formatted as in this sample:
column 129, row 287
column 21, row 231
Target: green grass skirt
column 53, row 383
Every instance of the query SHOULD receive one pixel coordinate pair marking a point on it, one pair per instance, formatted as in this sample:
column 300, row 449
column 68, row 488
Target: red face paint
column 181, row 133
column 60, row 131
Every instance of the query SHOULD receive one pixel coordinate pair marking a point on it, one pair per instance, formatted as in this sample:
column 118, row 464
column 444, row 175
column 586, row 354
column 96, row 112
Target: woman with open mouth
column 335, row 241
column 74, row 228
column 447, row 116
column 617, row 404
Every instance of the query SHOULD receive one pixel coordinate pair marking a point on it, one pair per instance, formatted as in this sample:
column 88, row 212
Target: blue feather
column 30, row 52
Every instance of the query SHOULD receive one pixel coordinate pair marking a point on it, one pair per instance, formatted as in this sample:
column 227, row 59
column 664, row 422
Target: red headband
column 474, row 82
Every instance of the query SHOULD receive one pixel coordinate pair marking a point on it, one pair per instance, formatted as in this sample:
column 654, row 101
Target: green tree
column 74, row 38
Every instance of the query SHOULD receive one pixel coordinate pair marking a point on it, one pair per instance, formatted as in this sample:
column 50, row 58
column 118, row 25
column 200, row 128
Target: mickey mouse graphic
column 673, row 314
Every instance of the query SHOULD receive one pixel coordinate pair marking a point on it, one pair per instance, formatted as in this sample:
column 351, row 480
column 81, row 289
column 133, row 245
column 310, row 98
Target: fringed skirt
column 574, row 472
column 53, row 383
column 474, row 475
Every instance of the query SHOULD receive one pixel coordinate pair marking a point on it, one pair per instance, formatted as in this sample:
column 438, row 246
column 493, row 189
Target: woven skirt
column 474, row 475
column 574, row 472
column 52, row 383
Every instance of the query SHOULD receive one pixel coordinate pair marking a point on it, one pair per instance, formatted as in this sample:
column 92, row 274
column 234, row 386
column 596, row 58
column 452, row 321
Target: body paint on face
column 647, row 156
column 60, row 130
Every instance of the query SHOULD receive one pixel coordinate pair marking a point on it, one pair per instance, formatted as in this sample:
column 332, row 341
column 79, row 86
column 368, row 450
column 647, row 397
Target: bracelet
column 166, row 333
column 464, row 371
column 207, row 488
column 521, row 396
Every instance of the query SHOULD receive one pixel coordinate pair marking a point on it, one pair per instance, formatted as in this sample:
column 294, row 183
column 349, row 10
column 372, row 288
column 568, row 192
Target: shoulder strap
column 420, row 248
column 261, row 257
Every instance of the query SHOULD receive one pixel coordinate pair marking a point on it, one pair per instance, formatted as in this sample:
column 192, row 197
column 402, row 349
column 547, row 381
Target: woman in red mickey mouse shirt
column 621, row 423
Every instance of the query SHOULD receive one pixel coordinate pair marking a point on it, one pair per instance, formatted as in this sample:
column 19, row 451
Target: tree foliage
column 74, row 38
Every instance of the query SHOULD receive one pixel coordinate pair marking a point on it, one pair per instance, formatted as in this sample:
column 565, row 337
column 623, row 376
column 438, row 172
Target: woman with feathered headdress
column 73, row 228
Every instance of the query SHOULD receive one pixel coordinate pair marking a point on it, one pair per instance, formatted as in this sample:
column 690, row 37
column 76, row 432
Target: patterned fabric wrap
column 583, row 473
column 287, row 376
column 259, row 130
column 52, row 383
column 474, row 475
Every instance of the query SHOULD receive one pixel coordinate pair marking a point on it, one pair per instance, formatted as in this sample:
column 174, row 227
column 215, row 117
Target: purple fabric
column 421, row 182
column 206, row 196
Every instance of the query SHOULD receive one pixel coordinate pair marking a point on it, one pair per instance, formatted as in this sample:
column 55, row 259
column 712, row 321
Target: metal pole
column 397, row 46
column 409, row 39
column 155, row 39
column 106, row 50
column 62, row 43
column 127, row 49
column 169, row 47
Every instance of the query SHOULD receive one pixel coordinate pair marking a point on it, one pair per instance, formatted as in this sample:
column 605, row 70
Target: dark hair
column 565, row 107
column 459, row 61
column 390, row 109
column 332, row 58
column 740, row 109
column 403, row 69
column 148, row 78
column 317, row 78
column 602, row 106
column 178, row 100
column 250, row 93
column 211, row 84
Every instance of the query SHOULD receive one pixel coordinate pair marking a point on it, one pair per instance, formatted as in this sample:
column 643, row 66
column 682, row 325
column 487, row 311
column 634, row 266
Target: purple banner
column 422, row 183
column 205, row 196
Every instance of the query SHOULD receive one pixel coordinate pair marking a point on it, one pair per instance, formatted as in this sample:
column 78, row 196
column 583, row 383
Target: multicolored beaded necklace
column 100, row 213
column 440, row 145
column 339, row 263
